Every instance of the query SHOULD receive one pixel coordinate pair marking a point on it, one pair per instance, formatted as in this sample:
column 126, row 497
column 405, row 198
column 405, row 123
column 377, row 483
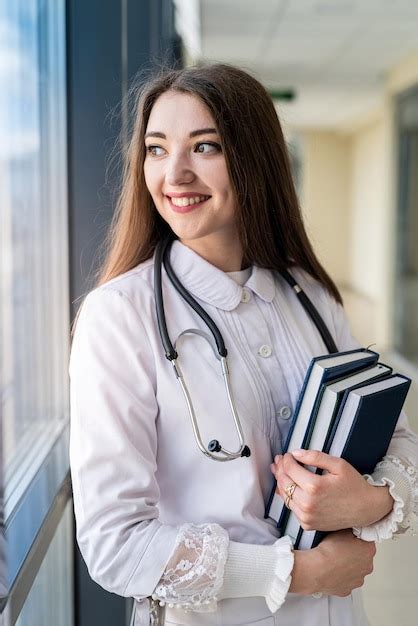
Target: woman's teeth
column 188, row 201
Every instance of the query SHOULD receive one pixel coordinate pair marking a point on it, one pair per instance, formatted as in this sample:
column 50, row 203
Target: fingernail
column 277, row 458
column 298, row 453
column 273, row 468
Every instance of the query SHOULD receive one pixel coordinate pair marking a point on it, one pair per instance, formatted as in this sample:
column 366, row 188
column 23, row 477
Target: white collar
column 214, row 286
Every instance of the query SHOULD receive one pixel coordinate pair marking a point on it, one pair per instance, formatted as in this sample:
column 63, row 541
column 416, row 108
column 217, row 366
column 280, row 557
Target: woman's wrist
column 380, row 504
column 305, row 573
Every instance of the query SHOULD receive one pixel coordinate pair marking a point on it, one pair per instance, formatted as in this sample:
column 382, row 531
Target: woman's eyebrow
column 203, row 131
column 194, row 133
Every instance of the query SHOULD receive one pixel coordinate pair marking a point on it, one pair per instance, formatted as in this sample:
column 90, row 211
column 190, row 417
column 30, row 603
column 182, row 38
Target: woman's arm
column 243, row 570
column 336, row 567
column 113, row 442
column 397, row 474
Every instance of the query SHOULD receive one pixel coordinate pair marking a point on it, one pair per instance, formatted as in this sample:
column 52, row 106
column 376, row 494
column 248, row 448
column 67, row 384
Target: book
column 361, row 433
column 322, row 369
column 331, row 397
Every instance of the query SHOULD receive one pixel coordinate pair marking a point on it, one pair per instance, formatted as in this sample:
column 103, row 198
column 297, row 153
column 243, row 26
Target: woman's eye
column 153, row 150
column 213, row 147
column 204, row 147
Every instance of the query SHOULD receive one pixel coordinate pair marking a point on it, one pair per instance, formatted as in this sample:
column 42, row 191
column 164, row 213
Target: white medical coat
column 136, row 470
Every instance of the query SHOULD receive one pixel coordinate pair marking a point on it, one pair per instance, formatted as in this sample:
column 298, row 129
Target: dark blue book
column 362, row 432
column 332, row 395
column 322, row 369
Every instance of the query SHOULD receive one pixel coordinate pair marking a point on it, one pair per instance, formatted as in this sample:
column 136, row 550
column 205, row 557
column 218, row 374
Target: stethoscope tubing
column 220, row 344
column 311, row 310
column 215, row 450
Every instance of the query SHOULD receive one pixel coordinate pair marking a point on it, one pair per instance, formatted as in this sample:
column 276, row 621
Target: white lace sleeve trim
column 194, row 573
column 401, row 476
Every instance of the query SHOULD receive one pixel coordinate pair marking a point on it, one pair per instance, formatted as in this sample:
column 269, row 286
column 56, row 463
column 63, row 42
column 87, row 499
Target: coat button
column 285, row 412
column 265, row 351
column 245, row 295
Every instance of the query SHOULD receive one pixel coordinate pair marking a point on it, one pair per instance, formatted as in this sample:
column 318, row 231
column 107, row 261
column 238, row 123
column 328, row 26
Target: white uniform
column 138, row 476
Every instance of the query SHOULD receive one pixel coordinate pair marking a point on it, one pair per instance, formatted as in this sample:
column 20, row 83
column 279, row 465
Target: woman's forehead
column 175, row 110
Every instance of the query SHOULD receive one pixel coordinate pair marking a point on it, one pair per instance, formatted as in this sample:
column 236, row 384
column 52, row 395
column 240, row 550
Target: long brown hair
column 270, row 222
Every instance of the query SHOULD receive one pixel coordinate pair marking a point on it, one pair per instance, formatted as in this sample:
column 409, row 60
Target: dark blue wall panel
column 107, row 43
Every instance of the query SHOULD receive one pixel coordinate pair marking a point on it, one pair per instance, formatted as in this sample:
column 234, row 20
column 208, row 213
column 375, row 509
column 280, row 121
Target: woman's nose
column 178, row 171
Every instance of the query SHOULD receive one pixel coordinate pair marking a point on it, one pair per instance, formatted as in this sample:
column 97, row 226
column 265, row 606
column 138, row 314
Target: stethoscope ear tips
column 246, row 451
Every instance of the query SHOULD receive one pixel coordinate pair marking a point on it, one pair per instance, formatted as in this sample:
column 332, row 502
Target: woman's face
column 184, row 163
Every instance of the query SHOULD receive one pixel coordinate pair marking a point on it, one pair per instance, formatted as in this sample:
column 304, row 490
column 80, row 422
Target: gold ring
column 290, row 489
column 289, row 493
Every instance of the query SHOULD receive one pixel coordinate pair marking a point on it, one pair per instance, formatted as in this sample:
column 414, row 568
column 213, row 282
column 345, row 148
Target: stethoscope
column 214, row 450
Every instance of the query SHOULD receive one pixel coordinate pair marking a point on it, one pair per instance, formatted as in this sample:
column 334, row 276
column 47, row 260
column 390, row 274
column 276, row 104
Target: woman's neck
column 224, row 254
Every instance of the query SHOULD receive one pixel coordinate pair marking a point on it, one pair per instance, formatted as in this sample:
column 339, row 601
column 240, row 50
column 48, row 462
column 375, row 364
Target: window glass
column 33, row 235
column 44, row 607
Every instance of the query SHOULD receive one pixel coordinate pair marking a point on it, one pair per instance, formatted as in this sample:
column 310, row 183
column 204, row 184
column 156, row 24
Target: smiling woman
column 243, row 149
column 190, row 186
column 207, row 188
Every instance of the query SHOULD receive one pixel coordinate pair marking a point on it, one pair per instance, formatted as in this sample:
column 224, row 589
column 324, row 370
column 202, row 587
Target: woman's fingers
column 315, row 458
column 294, row 472
column 283, row 481
column 300, row 502
column 344, row 562
column 307, row 480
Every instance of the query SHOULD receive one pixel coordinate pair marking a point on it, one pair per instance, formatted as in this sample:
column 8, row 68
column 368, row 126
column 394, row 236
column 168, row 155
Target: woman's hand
column 339, row 498
column 337, row 566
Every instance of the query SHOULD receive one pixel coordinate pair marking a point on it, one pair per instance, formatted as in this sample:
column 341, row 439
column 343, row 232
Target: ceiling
column 335, row 54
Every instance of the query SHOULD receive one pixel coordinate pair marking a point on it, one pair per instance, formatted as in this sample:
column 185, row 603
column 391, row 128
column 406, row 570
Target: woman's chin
column 189, row 233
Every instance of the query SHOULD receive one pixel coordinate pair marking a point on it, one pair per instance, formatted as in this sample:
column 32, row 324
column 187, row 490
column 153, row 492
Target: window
column 33, row 239
column 34, row 307
column 43, row 607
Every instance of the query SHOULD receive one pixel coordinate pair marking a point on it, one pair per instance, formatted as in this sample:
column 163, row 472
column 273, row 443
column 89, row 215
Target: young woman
column 207, row 166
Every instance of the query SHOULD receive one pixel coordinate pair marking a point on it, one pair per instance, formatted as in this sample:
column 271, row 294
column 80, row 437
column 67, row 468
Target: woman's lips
column 185, row 209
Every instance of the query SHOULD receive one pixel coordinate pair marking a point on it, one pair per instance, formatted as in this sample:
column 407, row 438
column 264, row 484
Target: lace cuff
column 401, row 476
column 194, row 574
